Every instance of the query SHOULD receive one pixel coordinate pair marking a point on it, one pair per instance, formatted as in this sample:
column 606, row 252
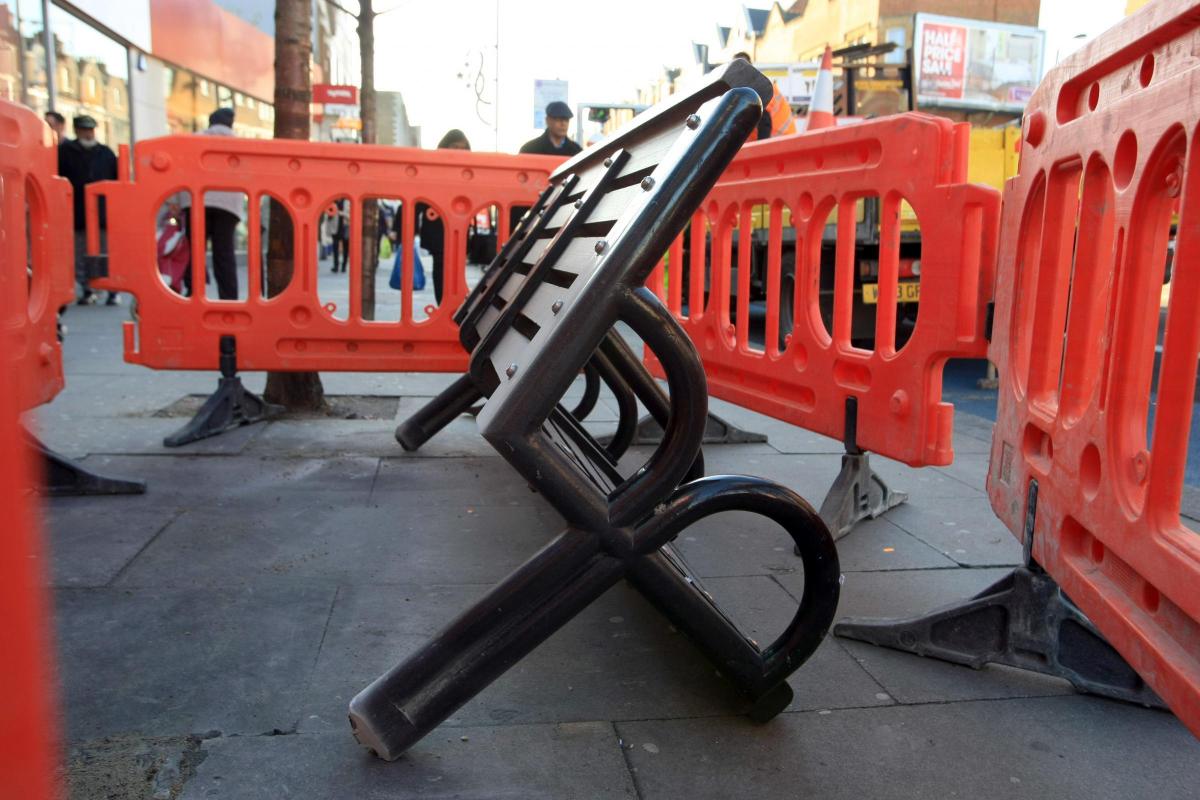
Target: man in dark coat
column 84, row 160
column 554, row 140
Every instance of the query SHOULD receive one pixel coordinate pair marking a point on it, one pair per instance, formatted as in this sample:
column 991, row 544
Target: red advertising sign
column 335, row 94
column 943, row 65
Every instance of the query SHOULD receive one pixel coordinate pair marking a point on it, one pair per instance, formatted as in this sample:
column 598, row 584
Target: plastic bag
column 418, row 271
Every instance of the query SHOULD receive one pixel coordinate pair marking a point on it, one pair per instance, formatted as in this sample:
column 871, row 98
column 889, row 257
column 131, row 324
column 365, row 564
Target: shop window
column 80, row 47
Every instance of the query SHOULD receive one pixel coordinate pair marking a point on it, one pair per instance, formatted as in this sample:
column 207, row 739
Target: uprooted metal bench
column 628, row 198
column 482, row 308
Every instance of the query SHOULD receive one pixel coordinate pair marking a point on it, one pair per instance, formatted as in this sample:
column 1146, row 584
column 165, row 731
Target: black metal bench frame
column 461, row 396
column 618, row 527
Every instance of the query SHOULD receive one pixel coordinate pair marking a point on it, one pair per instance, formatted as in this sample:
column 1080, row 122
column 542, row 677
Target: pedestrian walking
column 433, row 231
column 339, row 230
column 81, row 161
column 222, row 213
column 554, row 140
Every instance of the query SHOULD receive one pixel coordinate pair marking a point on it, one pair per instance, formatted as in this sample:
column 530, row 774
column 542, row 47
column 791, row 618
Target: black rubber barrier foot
column 63, row 477
column 1023, row 620
column 858, row 493
column 716, row 431
column 230, row 406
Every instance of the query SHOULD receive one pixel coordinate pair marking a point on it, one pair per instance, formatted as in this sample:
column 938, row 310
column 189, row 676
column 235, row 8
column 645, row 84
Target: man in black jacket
column 554, row 140
column 84, row 160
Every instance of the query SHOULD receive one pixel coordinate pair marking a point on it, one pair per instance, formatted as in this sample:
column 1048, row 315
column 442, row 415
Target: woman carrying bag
column 431, row 230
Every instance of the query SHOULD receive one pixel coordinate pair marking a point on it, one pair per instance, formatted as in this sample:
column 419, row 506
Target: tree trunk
column 293, row 96
column 366, row 100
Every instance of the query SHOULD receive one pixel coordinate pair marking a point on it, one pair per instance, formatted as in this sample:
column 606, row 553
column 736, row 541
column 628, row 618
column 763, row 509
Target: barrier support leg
column 63, row 477
column 230, row 406
column 716, row 431
column 857, row 493
column 1023, row 620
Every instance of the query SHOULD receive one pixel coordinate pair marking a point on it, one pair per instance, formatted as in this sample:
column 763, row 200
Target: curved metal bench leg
column 759, row 671
column 591, row 393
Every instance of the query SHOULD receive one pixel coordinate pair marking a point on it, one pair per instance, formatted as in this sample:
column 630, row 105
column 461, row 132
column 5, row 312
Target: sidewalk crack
column 633, row 775
column 125, row 567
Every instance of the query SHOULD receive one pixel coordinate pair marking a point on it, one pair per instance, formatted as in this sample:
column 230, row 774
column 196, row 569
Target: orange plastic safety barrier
column 28, row 763
column 294, row 330
column 31, row 373
column 1110, row 160
column 910, row 158
column 37, row 270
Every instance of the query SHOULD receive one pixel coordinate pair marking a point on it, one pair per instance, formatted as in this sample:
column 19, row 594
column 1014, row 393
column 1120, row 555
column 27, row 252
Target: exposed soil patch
column 133, row 767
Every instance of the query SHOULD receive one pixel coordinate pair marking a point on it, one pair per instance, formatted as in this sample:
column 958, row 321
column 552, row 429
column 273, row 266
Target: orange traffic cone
column 820, row 110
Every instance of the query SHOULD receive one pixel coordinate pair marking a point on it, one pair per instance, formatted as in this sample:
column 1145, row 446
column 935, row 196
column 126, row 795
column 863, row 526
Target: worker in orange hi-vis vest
column 777, row 118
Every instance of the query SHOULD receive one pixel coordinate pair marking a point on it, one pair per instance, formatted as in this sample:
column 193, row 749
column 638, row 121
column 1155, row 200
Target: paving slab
column 451, row 483
column 140, row 394
column 966, row 531
column 171, row 661
column 968, row 468
column 327, row 438
column 76, row 437
column 565, row 760
column 925, row 483
column 973, row 437
column 1067, row 748
column 906, row 592
column 258, row 483
column 93, row 538
column 741, row 543
column 973, row 426
column 326, row 540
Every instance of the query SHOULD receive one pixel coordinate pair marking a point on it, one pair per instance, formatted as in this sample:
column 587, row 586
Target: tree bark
column 366, row 100
column 293, row 97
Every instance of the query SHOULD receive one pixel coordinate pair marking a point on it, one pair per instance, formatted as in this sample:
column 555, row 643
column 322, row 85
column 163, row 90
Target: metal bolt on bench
column 553, row 322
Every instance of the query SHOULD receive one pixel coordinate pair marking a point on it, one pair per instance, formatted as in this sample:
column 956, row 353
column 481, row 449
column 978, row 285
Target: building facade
column 798, row 32
column 145, row 68
column 392, row 126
